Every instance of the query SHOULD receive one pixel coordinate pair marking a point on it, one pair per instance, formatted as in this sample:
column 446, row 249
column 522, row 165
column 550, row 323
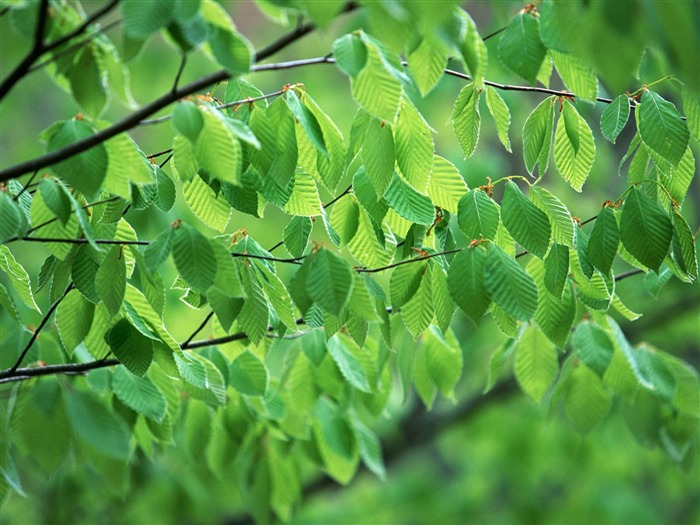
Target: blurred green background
column 508, row 461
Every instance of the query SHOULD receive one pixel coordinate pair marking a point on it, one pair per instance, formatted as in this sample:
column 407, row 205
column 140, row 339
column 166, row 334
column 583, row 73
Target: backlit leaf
column 520, row 47
column 536, row 364
column 132, row 348
column 465, row 281
column 194, row 257
column 466, row 119
column 537, row 136
column 528, row 225
column 509, row 285
column 661, row 127
column 501, row 115
column 614, row 118
column 645, row 230
column 574, row 148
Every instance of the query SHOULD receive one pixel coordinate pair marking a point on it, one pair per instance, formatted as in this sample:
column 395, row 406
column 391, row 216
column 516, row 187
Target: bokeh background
column 506, row 460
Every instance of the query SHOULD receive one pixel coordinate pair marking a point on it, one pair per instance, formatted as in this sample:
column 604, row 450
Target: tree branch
column 45, row 320
column 406, row 261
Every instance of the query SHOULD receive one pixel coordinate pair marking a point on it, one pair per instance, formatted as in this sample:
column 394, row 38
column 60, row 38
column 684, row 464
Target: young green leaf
column 18, row 277
column 465, row 281
column 574, row 148
column 528, row 225
column 308, row 121
column 56, row 199
column 645, row 229
column 556, row 269
column 578, row 77
column 348, row 364
column 139, row 394
column 73, row 320
column 378, row 155
column 536, row 364
column 446, row 186
column 604, row 240
column 350, row 54
column 684, row 250
column 537, row 136
column 614, row 118
column 509, row 285
column 375, row 88
column 110, row 280
column 414, row 146
column 131, row 347
column 188, row 120
column 587, row 400
column 593, row 346
column 691, row 106
column 296, row 235
column 404, row 283
column 408, row 203
column 501, row 115
column 661, row 127
column 478, row 215
column 520, row 47
column 194, row 257
column 330, row 281
column 426, row 64
column 466, row 119
column 249, row 375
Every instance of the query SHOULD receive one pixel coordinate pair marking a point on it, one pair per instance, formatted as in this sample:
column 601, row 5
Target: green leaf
column 296, row 235
column 231, row 49
column 350, row 54
column 554, row 315
column 444, row 362
column 466, row 119
column 691, row 106
column 210, row 207
column 345, row 217
column 159, row 249
column 139, row 394
column 587, row 401
column 528, row 225
column 56, row 199
column 378, row 155
column 97, row 425
column 593, row 346
column 520, row 47
column 375, row 88
column 446, row 186
column 574, row 147
column 330, row 281
column 18, row 277
column 188, row 120
column 661, row 127
column 604, row 240
column 426, row 64
column 335, row 441
column 131, row 347
column 127, row 164
column 559, row 217
column 249, row 375
column 85, row 171
column 348, row 364
column 367, row 248
column 304, row 199
column 537, row 136
column 684, row 247
column 556, row 269
column 217, row 150
column 536, row 364
column 308, row 121
column 645, row 230
column 614, row 118
column 404, row 283
column 194, row 257
column 11, row 217
column 478, row 215
column 578, row 77
column 414, row 146
column 110, row 280
column 408, row 203
column 143, row 18
column 501, row 115
column 473, row 49
column 419, row 311
column 73, row 320
column 509, row 285
column 88, row 82
column 465, row 281
column 370, row 448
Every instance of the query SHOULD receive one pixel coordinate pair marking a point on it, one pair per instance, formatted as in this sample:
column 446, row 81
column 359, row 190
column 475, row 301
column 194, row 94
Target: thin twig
column 39, row 328
column 629, row 273
column 407, row 261
column 183, row 63
column 496, row 32
column 74, row 47
column 26, row 186
column 199, row 328
column 84, row 241
column 34, row 53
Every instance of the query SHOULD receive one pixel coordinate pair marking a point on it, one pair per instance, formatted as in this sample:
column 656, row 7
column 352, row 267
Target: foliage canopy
column 388, row 246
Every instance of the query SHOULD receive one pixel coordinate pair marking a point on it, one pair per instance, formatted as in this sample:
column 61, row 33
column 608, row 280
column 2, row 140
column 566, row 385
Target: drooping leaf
column 520, row 47
column 501, row 115
column 509, row 285
column 330, row 281
column 536, row 364
column 18, row 277
column 408, row 203
column 110, row 280
column 378, row 155
column 574, row 148
column 556, row 269
column 684, row 250
column 466, row 119
column 375, row 88
column 537, row 136
column 414, row 147
column 194, row 257
column 587, row 401
column 426, row 64
column 614, row 118
column 604, row 240
column 645, row 230
column 661, row 127
column 404, row 283
column 139, row 394
column 446, row 186
column 249, row 375
column 559, row 216
column 528, row 225
column 296, row 235
column 348, row 364
column 73, row 320
column 131, row 347
column 577, row 76
column 478, row 215
column 466, row 283
column 593, row 346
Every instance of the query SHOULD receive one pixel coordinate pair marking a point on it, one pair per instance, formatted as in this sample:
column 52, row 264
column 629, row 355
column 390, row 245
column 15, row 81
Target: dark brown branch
column 199, row 328
column 35, row 52
column 45, row 320
column 629, row 273
column 406, row 261
column 26, row 186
